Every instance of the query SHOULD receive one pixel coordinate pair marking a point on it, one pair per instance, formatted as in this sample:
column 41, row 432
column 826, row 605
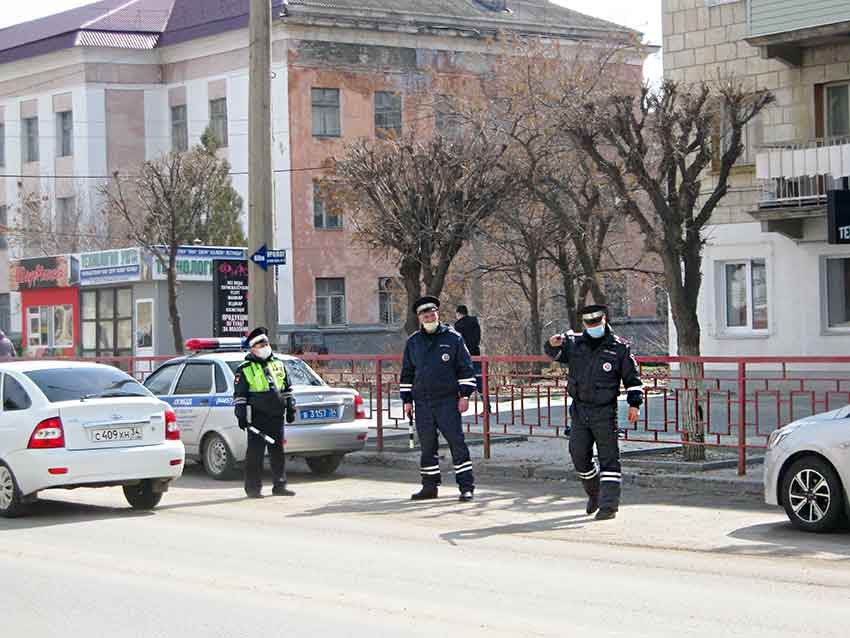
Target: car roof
column 30, row 365
column 224, row 355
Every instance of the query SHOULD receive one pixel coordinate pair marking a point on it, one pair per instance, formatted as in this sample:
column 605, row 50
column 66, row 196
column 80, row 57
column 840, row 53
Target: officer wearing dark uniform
column 470, row 330
column 437, row 375
column 262, row 398
column 598, row 361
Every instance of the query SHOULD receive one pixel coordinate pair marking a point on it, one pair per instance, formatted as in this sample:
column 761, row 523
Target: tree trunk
column 536, row 326
column 410, row 270
column 173, row 312
column 691, row 413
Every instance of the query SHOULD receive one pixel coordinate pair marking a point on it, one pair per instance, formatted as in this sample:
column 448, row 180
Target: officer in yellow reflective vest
column 262, row 398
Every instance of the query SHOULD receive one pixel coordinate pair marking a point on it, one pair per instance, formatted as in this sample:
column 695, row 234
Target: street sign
column 265, row 257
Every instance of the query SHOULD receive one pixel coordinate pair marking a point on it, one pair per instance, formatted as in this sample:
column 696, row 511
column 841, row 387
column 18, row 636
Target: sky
column 642, row 15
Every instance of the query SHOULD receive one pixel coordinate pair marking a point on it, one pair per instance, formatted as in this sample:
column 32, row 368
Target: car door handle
column 204, row 402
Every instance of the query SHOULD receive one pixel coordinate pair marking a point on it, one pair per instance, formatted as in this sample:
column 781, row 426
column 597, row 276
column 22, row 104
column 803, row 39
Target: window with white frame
column 322, row 217
column 326, row 116
column 50, row 326
column 744, row 288
column 64, row 133
column 837, row 292
column 387, row 114
column 837, row 110
column 179, row 129
column 330, row 301
column 390, row 300
column 29, row 139
column 218, row 120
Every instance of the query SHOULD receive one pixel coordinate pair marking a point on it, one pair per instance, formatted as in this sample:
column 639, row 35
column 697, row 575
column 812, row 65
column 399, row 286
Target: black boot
column 465, row 496
column 281, row 490
column 605, row 514
column 425, row 494
column 592, row 503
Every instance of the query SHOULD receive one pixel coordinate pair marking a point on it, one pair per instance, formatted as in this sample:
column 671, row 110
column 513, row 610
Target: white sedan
column 807, row 470
column 72, row 424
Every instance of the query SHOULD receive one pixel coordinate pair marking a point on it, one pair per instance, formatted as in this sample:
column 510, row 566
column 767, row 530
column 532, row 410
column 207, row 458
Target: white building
column 772, row 282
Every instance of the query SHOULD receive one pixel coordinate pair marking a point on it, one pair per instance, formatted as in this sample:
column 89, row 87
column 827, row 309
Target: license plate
column 316, row 414
column 106, row 435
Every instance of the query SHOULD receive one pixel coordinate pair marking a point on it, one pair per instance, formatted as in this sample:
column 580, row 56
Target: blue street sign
column 265, row 257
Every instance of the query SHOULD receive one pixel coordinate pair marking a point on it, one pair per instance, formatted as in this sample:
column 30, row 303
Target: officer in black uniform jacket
column 470, row 330
column 598, row 361
column 437, row 376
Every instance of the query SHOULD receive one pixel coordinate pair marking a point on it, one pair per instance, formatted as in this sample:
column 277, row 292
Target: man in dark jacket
column 470, row 330
column 7, row 348
column 262, row 398
column 437, row 376
column 598, row 361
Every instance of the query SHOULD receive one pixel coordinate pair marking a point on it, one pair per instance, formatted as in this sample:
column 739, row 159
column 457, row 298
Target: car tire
column 11, row 501
column 324, row 465
column 217, row 458
column 812, row 495
column 142, row 496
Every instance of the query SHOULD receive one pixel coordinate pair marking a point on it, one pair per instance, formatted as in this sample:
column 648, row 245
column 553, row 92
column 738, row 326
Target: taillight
column 172, row 430
column 359, row 407
column 47, row 434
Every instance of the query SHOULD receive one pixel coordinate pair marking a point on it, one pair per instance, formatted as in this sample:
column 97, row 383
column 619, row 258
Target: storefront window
column 50, row 326
column 107, row 322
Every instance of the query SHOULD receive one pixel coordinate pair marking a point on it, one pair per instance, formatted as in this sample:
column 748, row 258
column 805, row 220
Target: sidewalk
column 548, row 459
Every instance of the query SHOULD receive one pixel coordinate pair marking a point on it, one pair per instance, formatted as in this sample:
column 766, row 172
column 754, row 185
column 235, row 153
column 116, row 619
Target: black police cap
column 252, row 337
column 593, row 312
column 423, row 304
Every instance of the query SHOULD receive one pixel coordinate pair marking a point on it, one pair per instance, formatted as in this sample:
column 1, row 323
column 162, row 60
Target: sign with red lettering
column 230, row 297
column 44, row 272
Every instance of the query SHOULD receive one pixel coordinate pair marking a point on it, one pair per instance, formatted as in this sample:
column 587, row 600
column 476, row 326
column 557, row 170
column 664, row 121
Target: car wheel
column 218, row 459
column 142, row 496
column 812, row 495
column 324, row 465
column 11, row 503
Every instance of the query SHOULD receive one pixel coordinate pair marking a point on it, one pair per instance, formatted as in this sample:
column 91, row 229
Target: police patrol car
column 329, row 421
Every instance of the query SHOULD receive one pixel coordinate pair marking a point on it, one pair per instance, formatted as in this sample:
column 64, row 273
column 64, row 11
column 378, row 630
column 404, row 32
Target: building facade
column 99, row 89
column 773, row 283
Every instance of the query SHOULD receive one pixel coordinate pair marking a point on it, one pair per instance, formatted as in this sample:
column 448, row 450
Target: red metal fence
column 738, row 401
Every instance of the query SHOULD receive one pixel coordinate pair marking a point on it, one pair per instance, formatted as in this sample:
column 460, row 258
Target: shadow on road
column 783, row 539
column 47, row 513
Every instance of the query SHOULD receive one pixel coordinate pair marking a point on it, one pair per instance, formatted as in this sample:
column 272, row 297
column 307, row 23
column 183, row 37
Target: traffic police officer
column 437, row 375
column 261, row 384
column 598, row 361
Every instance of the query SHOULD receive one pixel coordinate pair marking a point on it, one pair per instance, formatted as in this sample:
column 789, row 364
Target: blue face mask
column 596, row 332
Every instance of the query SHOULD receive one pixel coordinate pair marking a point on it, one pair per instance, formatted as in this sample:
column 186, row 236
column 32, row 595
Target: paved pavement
column 352, row 556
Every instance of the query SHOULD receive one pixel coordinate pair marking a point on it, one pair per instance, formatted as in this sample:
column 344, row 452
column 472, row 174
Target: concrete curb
column 746, row 487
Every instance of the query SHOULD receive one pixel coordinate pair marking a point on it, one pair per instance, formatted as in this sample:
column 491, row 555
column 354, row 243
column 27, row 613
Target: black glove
column 290, row 409
column 242, row 416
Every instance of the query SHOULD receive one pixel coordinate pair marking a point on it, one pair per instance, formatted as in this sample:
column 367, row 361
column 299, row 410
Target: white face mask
column 265, row 352
column 431, row 326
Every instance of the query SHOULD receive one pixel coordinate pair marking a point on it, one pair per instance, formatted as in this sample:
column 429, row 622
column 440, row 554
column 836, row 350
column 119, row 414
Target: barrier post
column 742, row 418
column 379, row 399
column 485, row 389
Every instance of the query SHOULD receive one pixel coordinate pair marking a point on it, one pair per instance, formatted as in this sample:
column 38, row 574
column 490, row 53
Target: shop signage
column 110, row 266
column 230, row 297
column 44, row 272
column 838, row 217
column 194, row 263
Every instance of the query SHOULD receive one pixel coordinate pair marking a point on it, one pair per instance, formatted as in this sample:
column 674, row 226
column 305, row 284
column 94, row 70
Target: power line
column 128, row 175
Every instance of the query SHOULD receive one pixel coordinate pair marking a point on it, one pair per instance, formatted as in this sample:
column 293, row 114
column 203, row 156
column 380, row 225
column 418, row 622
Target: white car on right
column 807, row 470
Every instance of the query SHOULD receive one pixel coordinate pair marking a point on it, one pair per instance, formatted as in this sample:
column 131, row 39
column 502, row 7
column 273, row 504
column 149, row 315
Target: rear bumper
column 115, row 466
column 326, row 439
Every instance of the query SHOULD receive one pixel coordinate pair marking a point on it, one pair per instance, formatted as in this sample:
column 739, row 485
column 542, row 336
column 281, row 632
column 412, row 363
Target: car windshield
column 72, row 384
column 299, row 373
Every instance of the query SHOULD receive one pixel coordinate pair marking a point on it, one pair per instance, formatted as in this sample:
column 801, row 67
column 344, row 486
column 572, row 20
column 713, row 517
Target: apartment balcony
column 783, row 28
column 795, row 178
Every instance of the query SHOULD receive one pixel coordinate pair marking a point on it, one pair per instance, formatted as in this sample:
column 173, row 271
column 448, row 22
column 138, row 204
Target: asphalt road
column 352, row 556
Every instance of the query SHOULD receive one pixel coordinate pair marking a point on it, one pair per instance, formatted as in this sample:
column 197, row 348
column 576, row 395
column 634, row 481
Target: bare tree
column 174, row 200
column 657, row 146
column 418, row 200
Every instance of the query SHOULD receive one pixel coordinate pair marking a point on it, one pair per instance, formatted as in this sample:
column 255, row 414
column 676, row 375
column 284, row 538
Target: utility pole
column 262, row 299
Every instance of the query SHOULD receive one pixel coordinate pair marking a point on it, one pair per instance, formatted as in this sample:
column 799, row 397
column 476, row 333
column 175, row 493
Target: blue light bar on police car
column 215, row 343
